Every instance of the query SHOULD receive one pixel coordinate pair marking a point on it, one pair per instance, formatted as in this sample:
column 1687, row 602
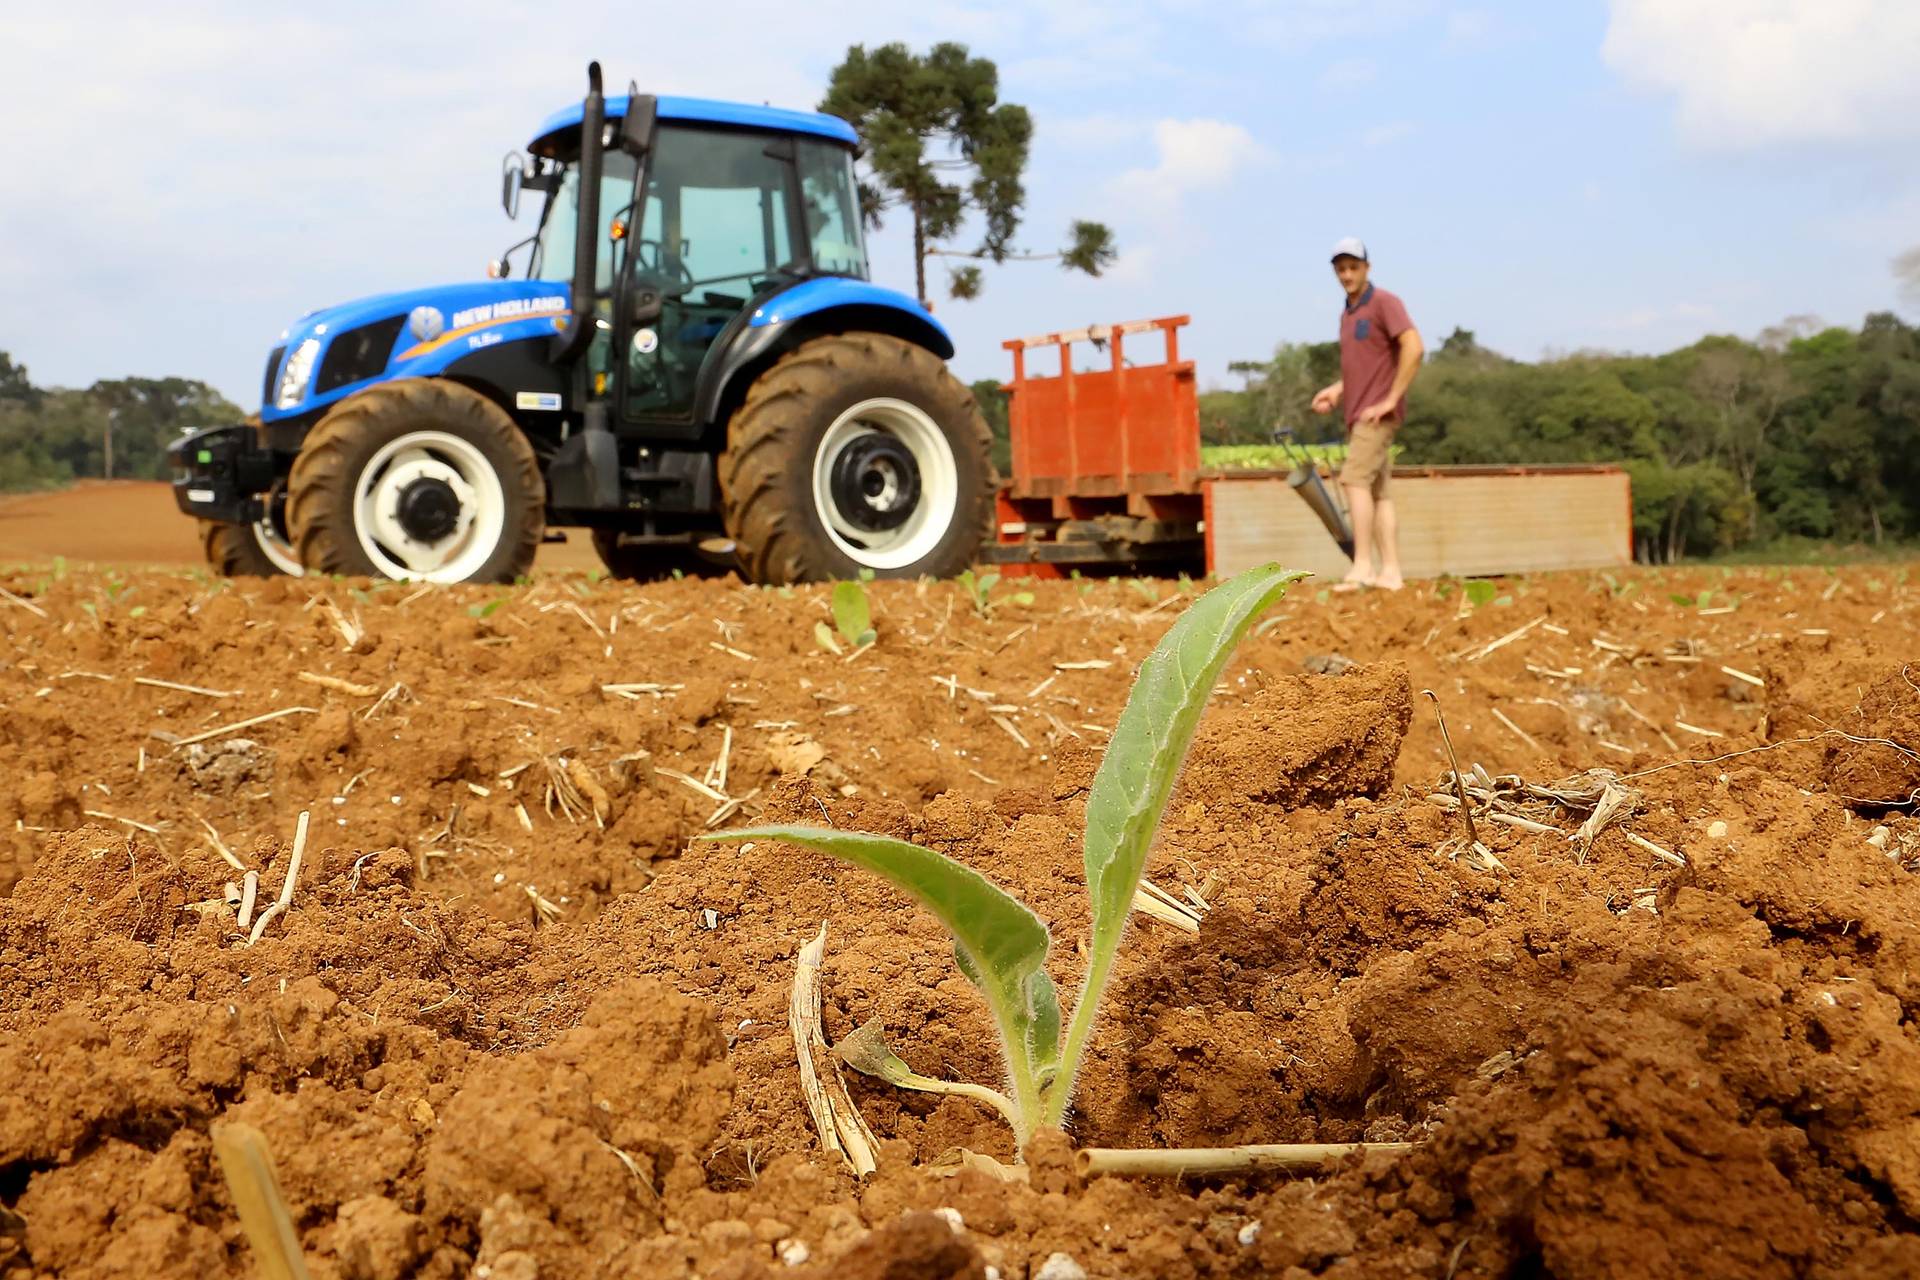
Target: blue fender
column 812, row 297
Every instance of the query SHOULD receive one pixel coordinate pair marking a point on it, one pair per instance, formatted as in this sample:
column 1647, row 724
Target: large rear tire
column 857, row 451
column 652, row 562
column 417, row 478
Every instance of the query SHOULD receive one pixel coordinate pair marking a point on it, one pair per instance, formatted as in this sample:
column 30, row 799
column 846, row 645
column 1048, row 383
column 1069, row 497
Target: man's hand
column 1374, row 412
column 1327, row 398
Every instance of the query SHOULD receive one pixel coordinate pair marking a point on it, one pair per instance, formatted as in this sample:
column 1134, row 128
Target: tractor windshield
column 560, row 220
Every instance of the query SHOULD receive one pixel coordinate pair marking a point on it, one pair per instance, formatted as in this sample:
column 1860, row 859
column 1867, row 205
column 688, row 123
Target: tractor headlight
column 299, row 371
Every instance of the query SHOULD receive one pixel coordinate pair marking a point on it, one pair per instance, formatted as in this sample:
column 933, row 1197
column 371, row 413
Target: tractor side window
column 553, row 252
column 831, row 203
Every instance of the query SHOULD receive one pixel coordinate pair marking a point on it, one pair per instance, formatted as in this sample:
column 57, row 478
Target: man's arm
column 1328, row 397
column 1411, row 350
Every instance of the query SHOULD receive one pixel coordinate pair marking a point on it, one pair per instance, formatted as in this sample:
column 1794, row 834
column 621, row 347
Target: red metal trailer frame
column 1106, row 462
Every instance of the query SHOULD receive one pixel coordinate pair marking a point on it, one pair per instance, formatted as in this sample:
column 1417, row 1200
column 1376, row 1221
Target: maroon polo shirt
column 1370, row 332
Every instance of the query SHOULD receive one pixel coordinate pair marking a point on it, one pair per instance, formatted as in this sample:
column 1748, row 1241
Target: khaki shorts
column 1366, row 466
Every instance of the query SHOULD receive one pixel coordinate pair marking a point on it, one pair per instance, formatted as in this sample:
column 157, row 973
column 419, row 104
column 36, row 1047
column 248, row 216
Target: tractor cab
column 733, row 205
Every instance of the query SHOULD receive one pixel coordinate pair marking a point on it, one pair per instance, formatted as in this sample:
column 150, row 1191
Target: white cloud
column 1193, row 155
column 1752, row 73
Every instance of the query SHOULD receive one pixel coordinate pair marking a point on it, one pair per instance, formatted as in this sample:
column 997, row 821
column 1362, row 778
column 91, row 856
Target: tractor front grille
column 273, row 367
column 357, row 354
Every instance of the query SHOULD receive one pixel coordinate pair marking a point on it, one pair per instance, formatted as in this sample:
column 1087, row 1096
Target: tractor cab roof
column 560, row 130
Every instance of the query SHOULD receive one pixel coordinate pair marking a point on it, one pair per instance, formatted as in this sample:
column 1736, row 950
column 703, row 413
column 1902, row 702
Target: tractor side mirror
column 513, row 176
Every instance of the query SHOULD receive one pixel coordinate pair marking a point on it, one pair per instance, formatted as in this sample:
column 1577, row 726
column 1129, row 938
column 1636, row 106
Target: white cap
column 1352, row 247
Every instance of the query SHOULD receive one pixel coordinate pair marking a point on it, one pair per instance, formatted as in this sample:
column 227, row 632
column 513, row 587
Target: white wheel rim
column 429, row 456
column 277, row 550
column 932, row 516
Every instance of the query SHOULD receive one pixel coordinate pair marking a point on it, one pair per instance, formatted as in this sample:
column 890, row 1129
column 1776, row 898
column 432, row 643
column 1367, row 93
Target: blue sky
column 1627, row 175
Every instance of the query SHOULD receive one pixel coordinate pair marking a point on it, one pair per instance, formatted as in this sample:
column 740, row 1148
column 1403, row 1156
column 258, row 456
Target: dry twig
column 835, row 1118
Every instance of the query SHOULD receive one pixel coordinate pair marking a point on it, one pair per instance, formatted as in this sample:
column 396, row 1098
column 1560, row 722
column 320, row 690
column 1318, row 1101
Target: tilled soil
column 516, row 1022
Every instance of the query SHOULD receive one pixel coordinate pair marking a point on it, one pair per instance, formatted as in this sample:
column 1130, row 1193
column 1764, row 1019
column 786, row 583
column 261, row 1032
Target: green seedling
column 1685, row 602
column 852, row 614
column 1480, row 591
column 980, row 592
column 1001, row 946
column 823, row 636
column 485, row 610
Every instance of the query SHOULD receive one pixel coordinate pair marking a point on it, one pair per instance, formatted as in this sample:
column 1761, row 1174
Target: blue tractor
column 690, row 363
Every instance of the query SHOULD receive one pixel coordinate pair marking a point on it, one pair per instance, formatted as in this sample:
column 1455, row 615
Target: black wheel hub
column 429, row 509
column 875, row 483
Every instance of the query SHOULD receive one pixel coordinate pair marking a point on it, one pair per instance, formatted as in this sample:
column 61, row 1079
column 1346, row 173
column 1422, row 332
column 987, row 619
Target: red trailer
column 1106, row 462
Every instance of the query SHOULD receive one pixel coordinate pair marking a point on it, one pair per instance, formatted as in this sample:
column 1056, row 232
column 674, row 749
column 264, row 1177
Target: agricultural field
column 500, row 1013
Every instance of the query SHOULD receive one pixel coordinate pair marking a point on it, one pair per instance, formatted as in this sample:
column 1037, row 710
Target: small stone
column 1717, row 831
column 794, row 1253
column 1878, row 838
column 1059, row 1266
column 1248, row 1234
column 953, row 1218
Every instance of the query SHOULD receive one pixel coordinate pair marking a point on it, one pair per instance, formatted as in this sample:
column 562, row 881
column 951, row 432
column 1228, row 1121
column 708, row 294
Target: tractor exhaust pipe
column 584, row 474
column 586, row 240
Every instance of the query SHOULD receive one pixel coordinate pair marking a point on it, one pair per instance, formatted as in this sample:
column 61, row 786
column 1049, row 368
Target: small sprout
column 979, row 590
column 823, row 636
column 1685, row 602
column 1000, row 945
column 485, row 610
column 1480, row 591
column 852, row 614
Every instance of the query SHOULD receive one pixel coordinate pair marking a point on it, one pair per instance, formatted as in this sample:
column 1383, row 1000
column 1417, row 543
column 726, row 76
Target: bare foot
column 1389, row 582
column 1351, row 583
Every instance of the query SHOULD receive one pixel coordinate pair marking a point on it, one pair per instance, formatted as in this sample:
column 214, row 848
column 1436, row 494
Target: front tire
column 857, row 451
column 418, row 478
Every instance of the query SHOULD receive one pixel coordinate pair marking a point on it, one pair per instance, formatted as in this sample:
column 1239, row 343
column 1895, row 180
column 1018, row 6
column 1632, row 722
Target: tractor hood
column 333, row 352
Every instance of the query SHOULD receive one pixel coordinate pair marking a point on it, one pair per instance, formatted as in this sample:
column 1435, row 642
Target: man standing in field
column 1380, row 352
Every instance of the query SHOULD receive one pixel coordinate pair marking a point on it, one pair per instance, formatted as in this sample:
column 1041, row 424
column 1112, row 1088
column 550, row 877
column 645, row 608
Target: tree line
column 1808, row 432
column 117, row 428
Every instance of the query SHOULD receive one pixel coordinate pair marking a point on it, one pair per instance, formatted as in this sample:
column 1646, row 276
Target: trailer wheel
column 857, row 451
column 651, row 562
column 417, row 478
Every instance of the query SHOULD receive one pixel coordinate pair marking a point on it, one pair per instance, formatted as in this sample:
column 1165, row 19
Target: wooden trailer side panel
column 1470, row 523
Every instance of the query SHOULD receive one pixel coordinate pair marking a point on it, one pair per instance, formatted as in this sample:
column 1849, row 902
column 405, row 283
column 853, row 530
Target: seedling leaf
column 1480, row 591
column 852, row 614
column 1000, row 945
column 1142, row 762
column 823, row 636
